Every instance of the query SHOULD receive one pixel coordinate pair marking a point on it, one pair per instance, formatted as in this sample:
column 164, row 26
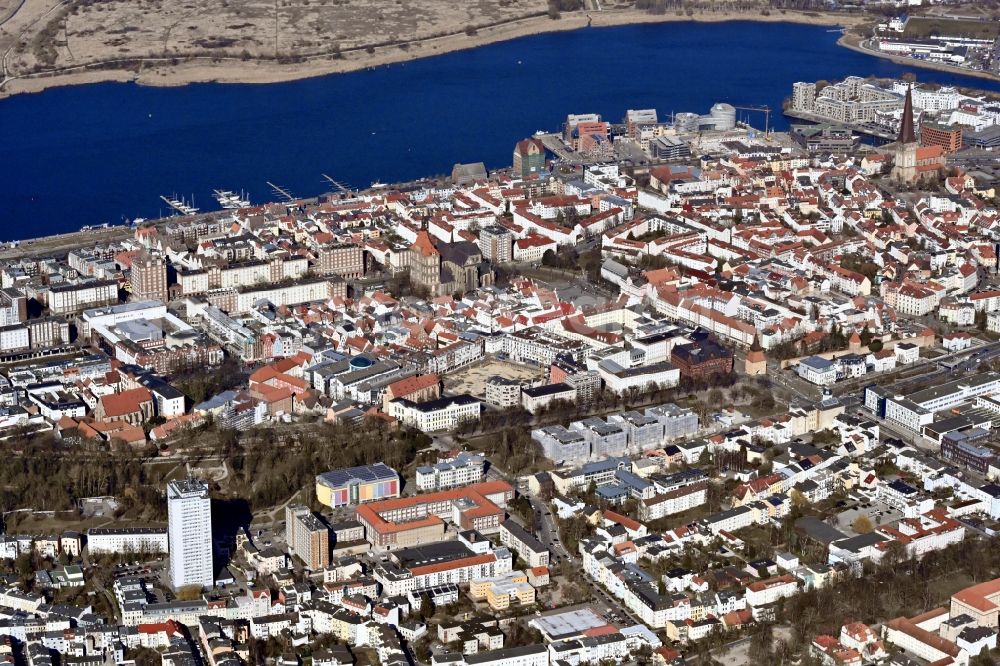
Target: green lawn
column 925, row 26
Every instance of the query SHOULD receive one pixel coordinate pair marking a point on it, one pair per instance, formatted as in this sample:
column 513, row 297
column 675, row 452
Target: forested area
column 265, row 467
column 266, row 471
column 891, row 589
column 45, row 474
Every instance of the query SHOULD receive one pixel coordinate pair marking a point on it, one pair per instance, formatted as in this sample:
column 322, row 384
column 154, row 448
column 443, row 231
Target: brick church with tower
column 912, row 162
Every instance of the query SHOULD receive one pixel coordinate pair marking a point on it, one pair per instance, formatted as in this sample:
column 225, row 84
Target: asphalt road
column 970, row 359
column 548, row 534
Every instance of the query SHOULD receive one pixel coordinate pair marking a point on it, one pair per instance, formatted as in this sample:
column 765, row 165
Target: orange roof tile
column 477, row 492
column 453, row 564
column 126, row 402
column 410, row 385
column 977, row 596
column 624, row 521
column 424, row 244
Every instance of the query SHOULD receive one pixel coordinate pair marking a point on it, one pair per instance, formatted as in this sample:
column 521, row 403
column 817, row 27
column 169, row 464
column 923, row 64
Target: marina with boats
column 179, row 205
column 229, row 200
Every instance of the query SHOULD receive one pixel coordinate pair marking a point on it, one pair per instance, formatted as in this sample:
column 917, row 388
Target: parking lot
column 737, row 653
column 879, row 513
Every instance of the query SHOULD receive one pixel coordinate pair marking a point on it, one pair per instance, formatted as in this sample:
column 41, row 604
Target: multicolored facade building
column 357, row 485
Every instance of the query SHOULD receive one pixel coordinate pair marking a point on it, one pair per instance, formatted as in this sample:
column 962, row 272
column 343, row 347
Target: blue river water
column 97, row 153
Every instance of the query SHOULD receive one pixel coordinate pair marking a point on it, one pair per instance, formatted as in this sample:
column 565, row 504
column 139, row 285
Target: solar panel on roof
column 364, row 473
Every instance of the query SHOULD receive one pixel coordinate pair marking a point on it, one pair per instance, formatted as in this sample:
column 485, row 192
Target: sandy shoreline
column 158, row 72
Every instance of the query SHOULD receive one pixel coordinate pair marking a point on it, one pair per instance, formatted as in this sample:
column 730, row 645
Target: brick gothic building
column 911, row 161
column 702, row 359
column 529, row 157
column 148, row 277
column 447, row 268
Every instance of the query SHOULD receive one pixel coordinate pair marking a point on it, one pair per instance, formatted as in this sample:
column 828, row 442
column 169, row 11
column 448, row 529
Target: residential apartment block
column 464, row 469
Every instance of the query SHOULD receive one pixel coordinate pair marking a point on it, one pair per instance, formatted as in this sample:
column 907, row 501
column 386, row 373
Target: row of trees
column 508, row 443
column 559, row 411
column 512, row 450
column 568, row 258
column 835, row 340
column 860, row 264
column 895, row 587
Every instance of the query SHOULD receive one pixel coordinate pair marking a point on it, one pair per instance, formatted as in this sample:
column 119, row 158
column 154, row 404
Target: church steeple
column 906, row 133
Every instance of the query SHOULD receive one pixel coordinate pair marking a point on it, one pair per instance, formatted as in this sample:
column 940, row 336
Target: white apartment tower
column 189, row 531
column 804, row 96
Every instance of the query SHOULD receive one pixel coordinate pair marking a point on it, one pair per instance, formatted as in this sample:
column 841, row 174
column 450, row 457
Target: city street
column 968, row 360
column 548, row 534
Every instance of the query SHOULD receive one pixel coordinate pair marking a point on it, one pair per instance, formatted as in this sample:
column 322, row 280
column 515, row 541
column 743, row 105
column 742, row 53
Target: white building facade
column 189, row 528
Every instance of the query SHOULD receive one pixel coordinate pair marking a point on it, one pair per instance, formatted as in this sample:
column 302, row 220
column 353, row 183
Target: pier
column 180, row 205
column 280, row 191
column 338, row 186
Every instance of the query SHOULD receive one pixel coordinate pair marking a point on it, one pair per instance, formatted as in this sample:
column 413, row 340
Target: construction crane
column 766, row 110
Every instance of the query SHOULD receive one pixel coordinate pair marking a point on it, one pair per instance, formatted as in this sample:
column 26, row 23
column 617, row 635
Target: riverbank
column 853, row 42
column 170, row 72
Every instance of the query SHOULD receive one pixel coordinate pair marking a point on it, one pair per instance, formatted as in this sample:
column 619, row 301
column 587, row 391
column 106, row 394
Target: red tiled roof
column 169, row 627
column 424, row 244
column 624, row 521
column 477, row 492
column 533, row 240
column 907, row 627
column 410, row 385
column 603, row 630
column 760, row 585
column 453, row 564
column 126, row 402
column 977, row 595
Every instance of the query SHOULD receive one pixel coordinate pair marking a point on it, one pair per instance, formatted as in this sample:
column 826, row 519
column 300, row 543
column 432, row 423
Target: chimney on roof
column 906, row 133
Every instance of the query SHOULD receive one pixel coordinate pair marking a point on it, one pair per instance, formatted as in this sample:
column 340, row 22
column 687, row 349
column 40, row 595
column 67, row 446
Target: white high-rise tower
column 189, row 531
